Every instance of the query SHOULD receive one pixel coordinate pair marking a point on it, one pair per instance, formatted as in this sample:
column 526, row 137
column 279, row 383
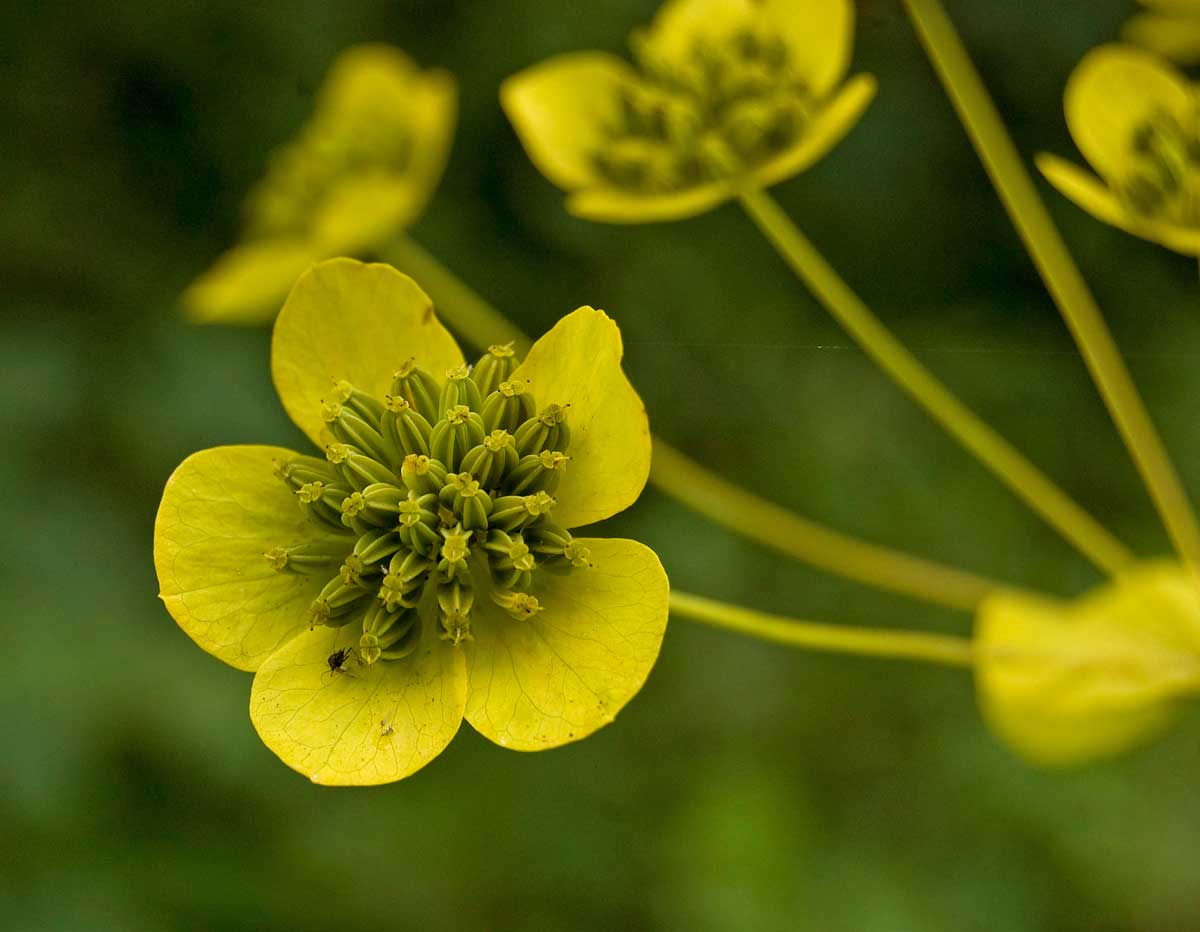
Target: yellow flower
column 361, row 169
column 1135, row 118
column 1170, row 28
column 1068, row 683
column 727, row 94
column 423, row 571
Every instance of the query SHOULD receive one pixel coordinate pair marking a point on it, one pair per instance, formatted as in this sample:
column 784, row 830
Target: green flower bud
column 508, row 407
column 492, row 460
column 509, row 557
column 338, row 603
column 352, row 430
column 519, row 605
column 455, row 601
column 456, row 547
column 383, row 500
column 323, row 503
column 421, row 474
column 538, row 472
column 469, row 504
column 494, row 367
column 418, row 523
column 375, row 546
column 547, row 431
column 513, row 512
column 358, row 469
column 362, row 404
column 387, row 634
column 404, row 427
column 459, row 389
column 453, row 436
column 418, row 387
column 401, row 586
column 315, row 557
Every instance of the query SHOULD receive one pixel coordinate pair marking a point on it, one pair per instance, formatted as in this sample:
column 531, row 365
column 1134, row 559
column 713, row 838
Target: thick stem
column 874, row 642
column 1058, row 271
column 703, row 491
column 993, row 451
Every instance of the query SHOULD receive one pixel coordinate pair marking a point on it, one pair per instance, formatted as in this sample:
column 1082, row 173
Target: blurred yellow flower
column 1069, row 683
column 360, row 170
column 424, row 571
column 1135, row 118
column 1170, row 28
column 727, row 94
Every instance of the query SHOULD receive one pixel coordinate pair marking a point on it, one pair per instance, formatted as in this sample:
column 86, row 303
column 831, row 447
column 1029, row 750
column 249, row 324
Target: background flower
column 1170, row 28
column 359, row 170
column 725, row 94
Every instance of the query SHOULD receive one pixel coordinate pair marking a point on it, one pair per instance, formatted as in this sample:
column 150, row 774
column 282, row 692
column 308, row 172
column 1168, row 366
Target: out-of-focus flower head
column 1170, row 28
column 726, row 94
column 361, row 169
column 1136, row 119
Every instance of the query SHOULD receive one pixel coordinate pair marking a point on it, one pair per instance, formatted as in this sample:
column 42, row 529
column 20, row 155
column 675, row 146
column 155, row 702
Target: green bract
column 424, row 569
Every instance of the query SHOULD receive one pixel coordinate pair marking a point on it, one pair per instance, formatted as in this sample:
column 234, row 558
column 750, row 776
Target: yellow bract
column 1067, row 683
column 1136, row 120
column 360, row 170
column 526, row 683
column 726, row 96
column 1170, row 28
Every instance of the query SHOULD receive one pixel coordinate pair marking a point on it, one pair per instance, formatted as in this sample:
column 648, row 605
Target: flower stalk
column 943, row 649
column 1058, row 270
column 992, row 450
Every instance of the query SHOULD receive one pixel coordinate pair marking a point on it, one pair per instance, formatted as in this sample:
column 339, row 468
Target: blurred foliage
column 747, row 787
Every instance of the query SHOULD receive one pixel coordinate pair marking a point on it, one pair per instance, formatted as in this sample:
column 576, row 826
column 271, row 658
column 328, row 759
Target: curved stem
column 715, row 498
column 1058, row 271
column 874, row 642
column 992, row 450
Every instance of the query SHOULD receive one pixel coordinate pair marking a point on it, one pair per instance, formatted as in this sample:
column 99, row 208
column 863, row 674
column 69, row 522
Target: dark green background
column 747, row 787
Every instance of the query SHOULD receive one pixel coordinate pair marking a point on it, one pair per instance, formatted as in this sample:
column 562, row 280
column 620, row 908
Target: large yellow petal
column 347, row 320
column 1174, row 36
column 364, row 725
column 1067, row 683
column 248, row 284
column 221, row 511
column 364, row 210
column 680, row 24
column 819, row 37
column 614, row 205
column 1098, row 199
column 568, row 670
column 562, row 108
column 828, row 128
column 1110, row 93
column 578, row 363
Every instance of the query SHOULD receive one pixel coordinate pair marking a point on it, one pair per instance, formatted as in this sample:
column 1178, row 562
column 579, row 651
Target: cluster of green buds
column 1163, row 182
column 711, row 114
column 439, row 496
column 337, row 143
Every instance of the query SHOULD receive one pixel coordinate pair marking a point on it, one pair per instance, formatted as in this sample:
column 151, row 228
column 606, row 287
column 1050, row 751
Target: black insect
column 338, row 659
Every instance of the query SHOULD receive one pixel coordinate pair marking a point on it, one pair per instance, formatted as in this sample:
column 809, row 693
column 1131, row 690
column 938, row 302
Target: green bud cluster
column 434, row 497
column 1163, row 180
column 711, row 114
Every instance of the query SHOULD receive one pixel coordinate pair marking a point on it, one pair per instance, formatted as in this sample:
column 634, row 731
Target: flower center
column 708, row 115
column 437, row 500
column 1162, row 182
column 369, row 137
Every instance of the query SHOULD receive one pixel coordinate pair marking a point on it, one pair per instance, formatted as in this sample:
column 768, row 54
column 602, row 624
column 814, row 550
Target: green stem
column 1021, row 476
column 719, row 500
column 1058, row 270
column 874, row 642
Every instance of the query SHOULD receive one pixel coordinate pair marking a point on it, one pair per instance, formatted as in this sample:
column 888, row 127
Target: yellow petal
column 364, row 725
column 578, row 363
column 249, row 283
column 221, row 511
column 347, row 320
column 560, row 109
column 828, row 128
column 1067, row 683
column 613, row 205
column 1176, row 37
column 680, row 24
column 362, row 211
column 1094, row 196
column 568, row 670
column 1110, row 93
column 819, row 37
